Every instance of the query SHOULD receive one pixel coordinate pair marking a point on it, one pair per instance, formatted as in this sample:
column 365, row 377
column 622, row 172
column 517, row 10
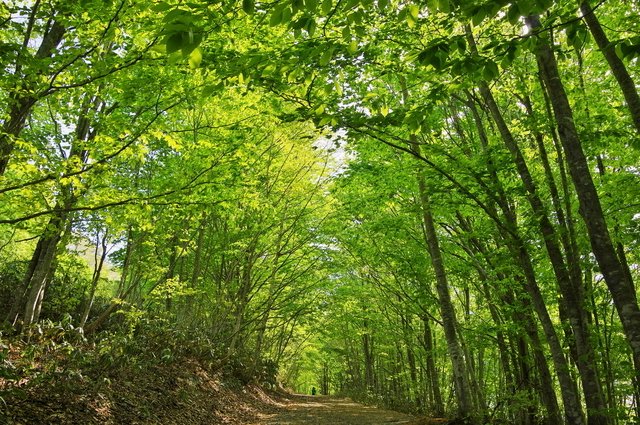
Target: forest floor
column 322, row 410
column 52, row 389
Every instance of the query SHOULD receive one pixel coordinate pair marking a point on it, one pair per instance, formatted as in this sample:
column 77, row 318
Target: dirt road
column 317, row 410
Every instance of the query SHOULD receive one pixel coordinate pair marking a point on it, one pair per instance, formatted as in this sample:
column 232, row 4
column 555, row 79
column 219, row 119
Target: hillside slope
column 55, row 388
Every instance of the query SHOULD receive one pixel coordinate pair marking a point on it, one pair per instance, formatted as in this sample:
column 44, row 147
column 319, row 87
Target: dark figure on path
column 313, row 390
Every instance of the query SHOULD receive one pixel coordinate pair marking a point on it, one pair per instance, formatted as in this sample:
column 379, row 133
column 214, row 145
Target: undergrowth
column 60, row 357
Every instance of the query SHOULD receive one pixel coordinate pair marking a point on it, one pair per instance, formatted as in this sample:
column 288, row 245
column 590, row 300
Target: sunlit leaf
column 352, row 47
column 195, row 57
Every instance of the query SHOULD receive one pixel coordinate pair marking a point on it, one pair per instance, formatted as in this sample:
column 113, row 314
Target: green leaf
column 286, row 15
column 174, row 42
column 300, row 23
column 326, row 57
column 352, row 48
column 276, row 18
column 317, row 51
column 249, row 6
column 209, row 90
column 184, row 16
column 619, row 52
column 161, row 7
column 490, row 70
column 293, row 75
column 175, row 57
column 512, row 52
column 297, row 5
column 513, row 14
column 327, row 6
column 195, row 57
column 357, row 17
column 525, row 7
column 160, row 48
column 479, row 16
column 312, row 5
column 195, row 41
column 432, row 6
column 461, row 44
column 346, row 33
column 444, row 6
column 436, row 62
column 412, row 14
column 628, row 50
column 424, row 57
column 311, row 27
column 382, row 4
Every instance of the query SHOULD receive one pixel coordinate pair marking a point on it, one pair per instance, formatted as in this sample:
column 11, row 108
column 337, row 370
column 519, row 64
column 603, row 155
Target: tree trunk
column 43, row 258
column 547, row 389
column 568, row 288
column 411, row 359
column 432, row 371
column 97, row 271
column 197, row 269
column 447, row 311
column 585, row 356
column 618, row 69
column 367, row 347
column 20, row 104
column 620, row 287
column 526, row 320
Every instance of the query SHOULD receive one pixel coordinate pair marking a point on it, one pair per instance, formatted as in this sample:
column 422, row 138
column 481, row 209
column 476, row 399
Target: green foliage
column 193, row 134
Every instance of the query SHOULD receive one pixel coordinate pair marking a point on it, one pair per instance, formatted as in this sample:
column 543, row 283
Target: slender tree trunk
column 93, row 326
column 411, row 359
column 97, row 271
column 44, row 258
column 616, row 277
column 20, row 104
column 368, row 349
column 447, row 311
column 432, row 371
column 197, row 268
column 618, row 69
column 546, row 387
column 585, row 358
column 20, row 294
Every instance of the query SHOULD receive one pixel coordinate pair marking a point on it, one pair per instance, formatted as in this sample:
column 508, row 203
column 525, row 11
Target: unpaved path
column 319, row 410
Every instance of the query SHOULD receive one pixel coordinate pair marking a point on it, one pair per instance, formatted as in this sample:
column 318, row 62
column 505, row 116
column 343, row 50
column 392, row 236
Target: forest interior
column 429, row 206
